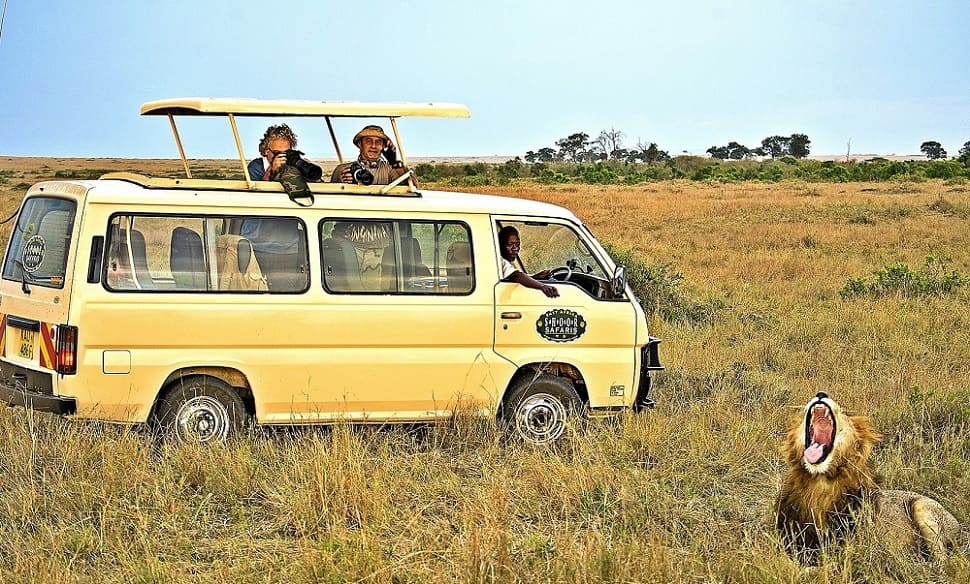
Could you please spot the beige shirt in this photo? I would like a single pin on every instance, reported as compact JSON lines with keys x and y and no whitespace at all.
{"x":383,"y":172}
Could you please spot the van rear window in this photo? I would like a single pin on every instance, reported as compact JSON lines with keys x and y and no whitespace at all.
{"x":40,"y":242}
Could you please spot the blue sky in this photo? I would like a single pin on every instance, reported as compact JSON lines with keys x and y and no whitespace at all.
{"x":885,"y":74}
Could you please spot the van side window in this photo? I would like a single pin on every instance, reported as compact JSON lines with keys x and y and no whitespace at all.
{"x":396,"y":257}
{"x":202,"y":254}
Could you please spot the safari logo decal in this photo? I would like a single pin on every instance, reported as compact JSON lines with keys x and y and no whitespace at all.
{"x":561,"y":325}
{"x":33,"y":254}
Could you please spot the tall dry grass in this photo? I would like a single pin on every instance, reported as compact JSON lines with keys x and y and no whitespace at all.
{"x":679,"y":494}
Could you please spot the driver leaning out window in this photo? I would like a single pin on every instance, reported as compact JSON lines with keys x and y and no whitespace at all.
{"x":508,"y":238}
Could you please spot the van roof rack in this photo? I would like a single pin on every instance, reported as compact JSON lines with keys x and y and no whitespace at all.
{"x":233,"y":107}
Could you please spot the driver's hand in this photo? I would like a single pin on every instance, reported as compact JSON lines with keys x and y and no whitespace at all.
{"x":543,"y":275}
{"x":550,"y":291}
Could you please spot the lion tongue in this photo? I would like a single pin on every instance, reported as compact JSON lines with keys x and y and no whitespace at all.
{"x":814,"y":453}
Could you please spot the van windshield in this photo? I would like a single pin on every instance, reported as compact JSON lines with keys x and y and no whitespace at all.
{"x":40,"y":243}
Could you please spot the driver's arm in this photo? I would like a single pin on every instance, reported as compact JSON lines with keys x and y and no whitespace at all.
{"x":530,"y":282}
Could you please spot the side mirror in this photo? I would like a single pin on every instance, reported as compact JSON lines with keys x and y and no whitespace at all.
{"x":618,"y":283}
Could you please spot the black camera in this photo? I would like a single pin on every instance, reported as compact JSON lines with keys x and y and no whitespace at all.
{"x":310,"y":171}
{"x":361,"y":175}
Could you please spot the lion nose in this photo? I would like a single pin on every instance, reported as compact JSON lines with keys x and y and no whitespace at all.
{"x":821,"y":395}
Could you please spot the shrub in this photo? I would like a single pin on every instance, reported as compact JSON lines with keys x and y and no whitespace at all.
{"x":549,"y":176}
{"x":426,"y":172}
{"x":943,"y":169}
{"x":658,"y":289}
{"x":901,"y":280}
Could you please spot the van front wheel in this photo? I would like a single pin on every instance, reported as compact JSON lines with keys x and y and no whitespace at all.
{"x":201,"y":410}
{"x":538,"y":408}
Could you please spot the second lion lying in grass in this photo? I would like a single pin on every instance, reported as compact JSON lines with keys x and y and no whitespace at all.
{"x":830,"y":485}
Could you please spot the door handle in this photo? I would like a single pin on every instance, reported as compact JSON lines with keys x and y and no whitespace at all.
{"x":511,"y":315}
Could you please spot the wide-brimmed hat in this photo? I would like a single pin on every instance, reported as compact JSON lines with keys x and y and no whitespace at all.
{"x":373,"y":131}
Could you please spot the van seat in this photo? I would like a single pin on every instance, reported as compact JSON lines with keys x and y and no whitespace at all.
{"x":341,"y":271}
{"x":458,"y":264}
{"x":412,"y":263}
{"x":187,"y":259}
{"x":237,"y":266}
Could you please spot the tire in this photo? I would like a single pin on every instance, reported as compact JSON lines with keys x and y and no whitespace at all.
{"x":201,"y":410}
{"x":538,"y":408}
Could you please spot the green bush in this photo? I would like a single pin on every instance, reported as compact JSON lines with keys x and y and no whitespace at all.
{"x":943,"y":169}
{"x":659,"y":290}
{"x":899,"y":279}
{"x":598,"y":173}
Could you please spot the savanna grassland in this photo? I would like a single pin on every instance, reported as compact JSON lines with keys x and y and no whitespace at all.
{"x":681,"y":493}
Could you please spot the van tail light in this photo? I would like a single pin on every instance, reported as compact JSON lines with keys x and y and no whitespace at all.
{"x":66,"y":353}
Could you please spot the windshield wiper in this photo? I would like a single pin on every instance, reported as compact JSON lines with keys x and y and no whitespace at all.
{"x":24,"y":276}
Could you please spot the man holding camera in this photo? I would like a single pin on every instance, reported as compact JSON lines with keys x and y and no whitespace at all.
{"x":377,"y":163}
{"x":275,"y":143}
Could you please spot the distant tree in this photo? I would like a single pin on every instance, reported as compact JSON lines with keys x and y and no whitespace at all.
{"x":546,"y":154}
{"x":571,"y":147}
{"x":933,"y":150}
{"x":738,"y":151}
{"x":651,"y":153}
{"x":733,"y":150}
{"x":610,"y":142}
{"x":719,"y":152}
{"x":798,"y":145}
{"x":531,"y":156}
{"x":776,"y":146}
{"x":963,"y":155}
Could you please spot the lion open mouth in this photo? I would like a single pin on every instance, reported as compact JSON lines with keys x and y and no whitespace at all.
{"x":819,"y":433}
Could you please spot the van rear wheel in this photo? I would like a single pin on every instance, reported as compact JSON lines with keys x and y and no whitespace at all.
{"x":538,"y":409}
{"x":201,"y":410}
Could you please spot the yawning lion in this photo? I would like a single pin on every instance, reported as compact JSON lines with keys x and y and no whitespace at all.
{"x":830,"y":482}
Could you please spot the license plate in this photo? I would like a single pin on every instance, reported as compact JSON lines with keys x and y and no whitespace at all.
{"x":26,"y":344}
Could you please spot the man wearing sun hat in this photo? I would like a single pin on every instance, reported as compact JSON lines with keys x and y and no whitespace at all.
{"x":378,"y":156}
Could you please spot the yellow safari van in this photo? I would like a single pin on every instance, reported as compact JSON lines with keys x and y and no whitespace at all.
{"x":202,"y":306}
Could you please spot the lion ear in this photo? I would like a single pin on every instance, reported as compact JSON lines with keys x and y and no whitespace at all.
{"x":864,"y":427}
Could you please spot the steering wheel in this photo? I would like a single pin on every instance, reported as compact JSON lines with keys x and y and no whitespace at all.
{"x":566,"y":271}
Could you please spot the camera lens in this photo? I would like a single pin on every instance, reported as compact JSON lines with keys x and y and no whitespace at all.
{"x":311,"y":171}
{"x":361,"y":175}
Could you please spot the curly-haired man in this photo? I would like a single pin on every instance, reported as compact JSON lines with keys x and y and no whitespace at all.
{"x":276,"y":141}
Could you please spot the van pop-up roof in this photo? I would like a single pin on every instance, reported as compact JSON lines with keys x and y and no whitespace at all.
{"x":268,"y":108}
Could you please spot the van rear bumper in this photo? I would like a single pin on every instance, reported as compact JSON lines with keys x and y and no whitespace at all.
{"x":41,"y":402}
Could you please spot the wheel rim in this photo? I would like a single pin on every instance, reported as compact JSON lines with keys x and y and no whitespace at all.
{"x":202,"y":419}
{"x":540,"y":418}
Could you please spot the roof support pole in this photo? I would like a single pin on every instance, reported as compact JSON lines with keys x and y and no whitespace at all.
{"x":239,"y":148}
{"x":333,"y":136}
{"x":178,"y":142}
{"x":400,"y":154}
{"x":397,"y":142}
